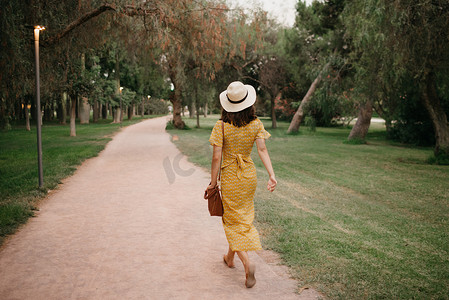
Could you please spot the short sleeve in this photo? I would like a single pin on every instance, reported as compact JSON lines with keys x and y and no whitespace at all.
{"x":262,"y":133}
{"x":216,"y":137}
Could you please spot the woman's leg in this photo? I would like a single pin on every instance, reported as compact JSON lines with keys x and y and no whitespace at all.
{"x":243,"y":255}
{"x":249,"y":269}
{"x":229,"y":258}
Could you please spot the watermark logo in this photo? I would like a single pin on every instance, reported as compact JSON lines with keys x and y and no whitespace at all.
{"x":171,"y":170}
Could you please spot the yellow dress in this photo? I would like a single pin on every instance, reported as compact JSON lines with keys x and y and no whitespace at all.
{"x":238,"y":182}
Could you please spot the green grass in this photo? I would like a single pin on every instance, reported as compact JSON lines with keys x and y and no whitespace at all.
{"x":19,"y":191}
{"x":363,"y":221}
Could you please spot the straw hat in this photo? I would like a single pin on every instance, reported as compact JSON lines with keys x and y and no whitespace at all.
{"x":237,"y":97}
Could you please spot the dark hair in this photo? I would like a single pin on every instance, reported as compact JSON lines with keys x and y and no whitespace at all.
{"x":240,"y":118}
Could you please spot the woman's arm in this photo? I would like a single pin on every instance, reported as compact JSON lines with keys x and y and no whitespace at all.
{"x":215,"y":166}
{"x":265,"y":157}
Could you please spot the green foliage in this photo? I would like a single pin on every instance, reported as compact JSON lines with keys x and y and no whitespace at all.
{"x":310,"y":122}
{"x":317,"y":45}
{"x":441,"y":158}
{"x":171,"y":126}
{"x":11,"y":216}
{"x":369,"y":47}
{"x":285,"y":108}
{"x":412,"y":124}
{"x":156,"y":106}
{"x":399,"y":51}
{"x":327,"y":106}
{"x":354,"y":141}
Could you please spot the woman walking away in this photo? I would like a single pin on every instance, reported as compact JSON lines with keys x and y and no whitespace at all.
{"x":238,"y":174}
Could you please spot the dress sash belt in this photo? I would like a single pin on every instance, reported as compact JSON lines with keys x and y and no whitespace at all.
{"x":242,"y":162}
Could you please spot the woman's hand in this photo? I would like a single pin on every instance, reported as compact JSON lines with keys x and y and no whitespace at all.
{"x":211,"y":186}
{"x":272,"y":182}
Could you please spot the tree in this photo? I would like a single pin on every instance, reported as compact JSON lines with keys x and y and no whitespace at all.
{"x":299,"y":115}
{"x":194,"y":37}
{"x":254,"y":57}
{"x":317,"y":48}
{"x":412,"y":37}
{"x":273,"y":79}
{"x":16,"y":39}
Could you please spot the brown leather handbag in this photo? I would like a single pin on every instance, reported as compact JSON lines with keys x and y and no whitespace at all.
{"x":213,"y":195}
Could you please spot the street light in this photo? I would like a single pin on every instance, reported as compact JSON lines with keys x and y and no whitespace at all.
{"x":37,"y":29}
{"x":121,"y":109}
{"x":149,"y":108}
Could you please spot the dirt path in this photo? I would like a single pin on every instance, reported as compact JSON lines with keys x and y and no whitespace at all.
{"x":118,"y":229}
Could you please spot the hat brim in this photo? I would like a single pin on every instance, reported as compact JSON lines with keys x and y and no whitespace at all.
{"x":231,"y":107}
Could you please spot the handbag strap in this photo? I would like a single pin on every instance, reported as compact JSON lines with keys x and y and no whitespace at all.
{"x":221,"y":159}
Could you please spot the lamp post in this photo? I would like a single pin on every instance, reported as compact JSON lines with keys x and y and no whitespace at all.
{"x":38,"y":105}
{"x":121,"y":108}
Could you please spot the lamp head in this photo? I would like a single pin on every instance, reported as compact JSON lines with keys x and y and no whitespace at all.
{"x":37,"y":28}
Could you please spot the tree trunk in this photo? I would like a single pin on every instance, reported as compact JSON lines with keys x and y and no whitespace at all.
{"x":117,"y":115}
{"x":437,"y":115}
{"x":84,"y":106}
{"x":176,"y":95}
{"x":104,"y":111}
{"x":27,"y":116}
{"x":33,"y":110}
{"x":73,"y":116}
{"x":77,"y":106}
{"x":176,"y":101}
{"x":68,"y":106}
{"x":274,"y":124}
{"x":205,"y":110}
{"x":130,"y":111}
{"x":96,"y":113}
{"x":299,"y":115}
{"x":4,"y":116}
{"x":18,"y":110}
{"x":197,"y":115}
{"x":192,"y":108}
{"x":53,"y":109}
{"x":84,"y":114}
{"x":62,"y":109}
{"x":47,"y":112}
{"x":388,"y":125}
{"x":118,"y":111}
{"x":142,"y":113}
{"x":177,"y":120}
{"x":361,"y":127}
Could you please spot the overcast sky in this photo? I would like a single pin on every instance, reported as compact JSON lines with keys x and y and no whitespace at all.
{"x":282,"y":10}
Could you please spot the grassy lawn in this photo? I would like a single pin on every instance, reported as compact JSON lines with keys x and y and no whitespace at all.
{"x":19,"y":192}
{"x":354,"y":221}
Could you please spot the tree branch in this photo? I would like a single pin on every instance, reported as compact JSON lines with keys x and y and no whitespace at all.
{"x":86,"y":17}
{"x":131,"y":10}
{"x":256,"y":80}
